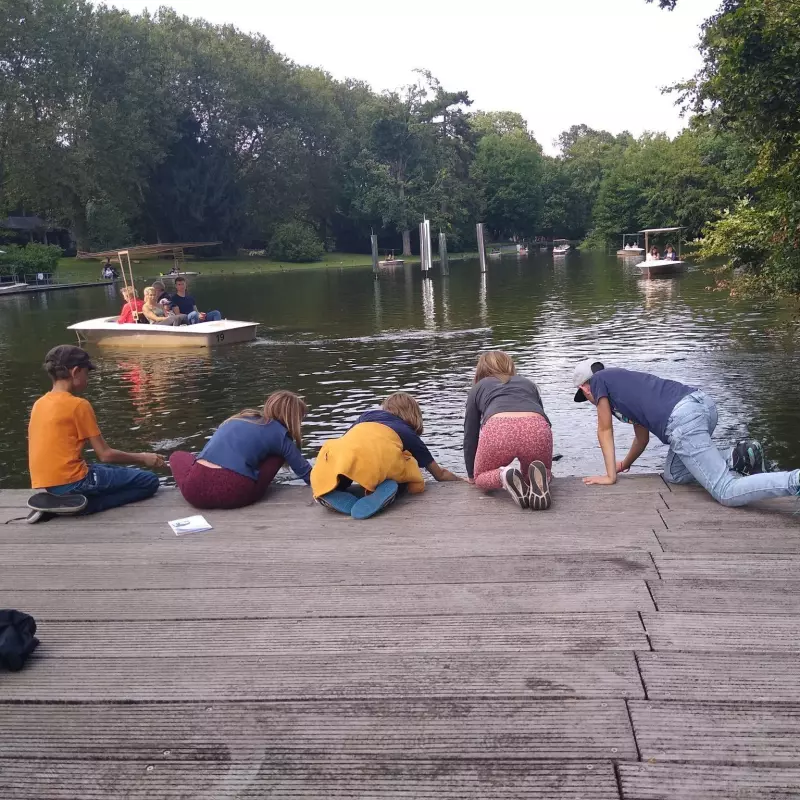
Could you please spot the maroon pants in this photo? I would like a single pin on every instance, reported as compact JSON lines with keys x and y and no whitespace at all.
{"x":205,"y":487}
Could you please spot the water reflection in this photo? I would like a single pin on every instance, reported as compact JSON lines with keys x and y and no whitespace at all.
{"x":483,"y":298}
{"x":344,"y":339}
{"x":428,"y":303}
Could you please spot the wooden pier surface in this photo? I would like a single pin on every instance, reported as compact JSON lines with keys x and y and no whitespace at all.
{"x":636,"y":641}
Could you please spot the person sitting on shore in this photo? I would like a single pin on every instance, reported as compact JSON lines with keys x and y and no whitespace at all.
{"x":382,"y":451}
{"x":183,"y":303}
{"x":61,"y":424}
{"x":684,"y":418}
{"x":109,"y":272}
{"x":670,"y":254}
{"x":653,"y":255}
{"x":132,"y":308}
{"x":243,"y":456}
{"x":504,"y":421}
{"x":158,"y":314}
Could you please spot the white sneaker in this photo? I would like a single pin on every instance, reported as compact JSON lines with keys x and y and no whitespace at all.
{"x":511,"y":479}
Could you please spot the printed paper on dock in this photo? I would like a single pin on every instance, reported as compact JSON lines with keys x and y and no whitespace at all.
{"x":195,"y":524}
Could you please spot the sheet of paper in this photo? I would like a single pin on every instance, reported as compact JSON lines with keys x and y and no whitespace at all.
{"x":195,"y":524}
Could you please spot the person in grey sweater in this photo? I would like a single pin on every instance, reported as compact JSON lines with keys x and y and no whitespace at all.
{"x":504,"y":421}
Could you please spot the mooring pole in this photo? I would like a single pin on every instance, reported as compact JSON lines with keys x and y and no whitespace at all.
{"x":374,"y":242}
{"x":443,"y":253}
{"x":425,"y":246}
{"x":481,"y":246}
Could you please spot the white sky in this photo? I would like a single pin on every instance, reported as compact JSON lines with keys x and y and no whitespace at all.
{"x":557,"y":62}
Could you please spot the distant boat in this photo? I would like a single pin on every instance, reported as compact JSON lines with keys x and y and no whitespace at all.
{"x":630,"y":249}
{"x":11,"y":288}
{"x":661,"y":266}
{"x":561,"y":247}
{"x":522,"y":250}
{"x":495,"y":254}
{"x":391,"y":262}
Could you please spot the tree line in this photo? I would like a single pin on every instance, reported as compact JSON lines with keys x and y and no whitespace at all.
{"x":144,"y":128}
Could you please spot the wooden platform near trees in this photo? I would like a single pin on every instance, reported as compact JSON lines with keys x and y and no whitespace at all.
{"x":635,"y":642}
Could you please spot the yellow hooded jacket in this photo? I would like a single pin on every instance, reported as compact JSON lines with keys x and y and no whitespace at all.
{"x":369,"y":453}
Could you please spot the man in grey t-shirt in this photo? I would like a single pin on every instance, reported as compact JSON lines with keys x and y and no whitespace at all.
{"x":684,"y":418}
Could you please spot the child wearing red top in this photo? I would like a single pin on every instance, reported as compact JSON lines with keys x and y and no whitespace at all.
{"x":131,"y":304}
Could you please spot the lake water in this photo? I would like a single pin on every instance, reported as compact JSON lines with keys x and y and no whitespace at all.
{"x":344,"y":340}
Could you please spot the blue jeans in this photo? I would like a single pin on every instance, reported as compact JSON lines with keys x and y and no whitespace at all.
{"x":106,"y":486}
{"x":693,"y":457}
{"x":211,"y":316}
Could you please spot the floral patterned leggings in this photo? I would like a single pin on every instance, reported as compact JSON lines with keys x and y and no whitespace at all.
{"x":503,"y":439}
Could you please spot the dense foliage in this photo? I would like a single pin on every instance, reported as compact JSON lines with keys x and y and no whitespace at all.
{"x":29,"y":260}
{"x":296,"y":242}
{"x":143,"y":128}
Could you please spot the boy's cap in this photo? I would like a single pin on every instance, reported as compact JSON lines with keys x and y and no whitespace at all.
{"x":68,"y":356}
{"x":164,"y":301}
{"x":583,"y":373}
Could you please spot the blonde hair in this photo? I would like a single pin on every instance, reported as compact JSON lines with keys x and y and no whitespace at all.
{"x":282,"y":406}
{"x":495,"y":364}
{"x":149,"y":295}
{"x":403,"y":405}
{"x":129,"y":293}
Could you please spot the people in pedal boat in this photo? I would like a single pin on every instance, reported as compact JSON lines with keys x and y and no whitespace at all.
{"x":158,"y":313}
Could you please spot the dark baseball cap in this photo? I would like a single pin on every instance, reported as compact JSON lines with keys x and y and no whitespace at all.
{"x":67,"y":356}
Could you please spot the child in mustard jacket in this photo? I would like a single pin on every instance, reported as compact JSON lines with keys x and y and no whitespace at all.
{"x":380,"y":452}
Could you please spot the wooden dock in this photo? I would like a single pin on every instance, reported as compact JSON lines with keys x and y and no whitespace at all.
{"x":637,"y":642}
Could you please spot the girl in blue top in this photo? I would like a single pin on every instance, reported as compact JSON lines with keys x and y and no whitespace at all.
{"x":243,"y":456}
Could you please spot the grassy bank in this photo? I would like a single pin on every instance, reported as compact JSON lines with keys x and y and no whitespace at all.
{"x":80,"y":269}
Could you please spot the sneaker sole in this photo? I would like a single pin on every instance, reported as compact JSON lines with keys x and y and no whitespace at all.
{"x":47,"y":503}
{"x":384,"y":495}
{"x":515,"y":486}
{"x":539,"y":498}
{"x":337,"y":500}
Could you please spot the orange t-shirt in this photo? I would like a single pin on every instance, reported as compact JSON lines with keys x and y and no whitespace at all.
{"x":59,"y":426}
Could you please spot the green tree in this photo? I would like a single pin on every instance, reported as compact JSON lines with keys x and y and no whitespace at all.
{"x":509,"y":170}
{"x":748,"y":86}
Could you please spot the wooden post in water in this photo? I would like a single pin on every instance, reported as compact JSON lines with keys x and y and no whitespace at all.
{"x":374,"y":242}
{"x":481,"y":246}
{"x":425,"y":246}
{"x":443,"y":253}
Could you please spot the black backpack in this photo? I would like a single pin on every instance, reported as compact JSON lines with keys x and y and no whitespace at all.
{"x":17,"y":640}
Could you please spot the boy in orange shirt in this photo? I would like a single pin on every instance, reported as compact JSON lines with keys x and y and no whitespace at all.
{"x":61,"y":424}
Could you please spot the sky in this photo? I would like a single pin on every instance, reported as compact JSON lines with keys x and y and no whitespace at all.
{"x":556,"y":62}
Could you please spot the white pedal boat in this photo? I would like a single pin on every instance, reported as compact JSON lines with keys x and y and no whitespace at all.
{"x":108,"y":332}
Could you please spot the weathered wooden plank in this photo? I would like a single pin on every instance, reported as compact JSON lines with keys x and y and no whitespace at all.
{"x":296,"y":504}
{"x":484,"y":569}
{"x":718,"y":676}
{"x":754,"y":633}
{"x":694,"y":498}
{"x":707,"y":782}
{"x":333,"y":601}
{"x":720,"y":595}
{"x":516,"y":633}
{"x":309,"y":777}
{"x":724,"y":732}
{"x":337,"y":527}
{"x":731,"y":566}
{"x":329,"y":676}
{"x":468,"y":729}
{"x":735,"y":539}
{"x":227,"y":546}
{"x":721,"y":519}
